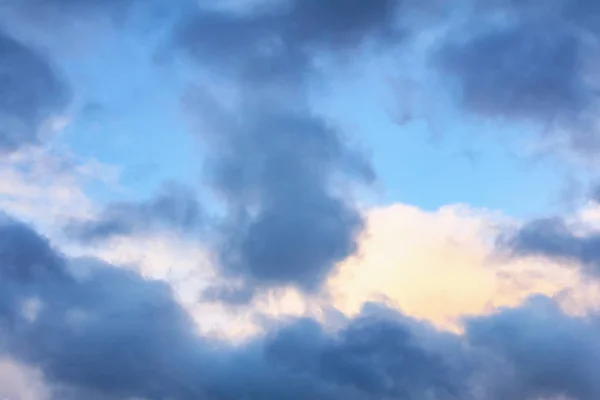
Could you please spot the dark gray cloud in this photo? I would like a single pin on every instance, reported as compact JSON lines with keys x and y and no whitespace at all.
{"x":275,"y":161}
{"x":531,"y":65}
{"x":174,"y":207}
{"x":548,"y":354}
{"x":525,"y":71}
{"x":552,"y":238}
{"x":286,"y":223}
{"x":110,"y":332}
{"x":101,"y":328}
{"x":31,"y":92}
{"x":106,"y":332}
{"x":280,"y":42}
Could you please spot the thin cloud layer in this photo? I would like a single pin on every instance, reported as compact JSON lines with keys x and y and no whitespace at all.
{"x":175,"y":207}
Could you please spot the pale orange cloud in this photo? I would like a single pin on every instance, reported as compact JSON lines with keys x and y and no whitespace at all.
{"x":440,"y":266}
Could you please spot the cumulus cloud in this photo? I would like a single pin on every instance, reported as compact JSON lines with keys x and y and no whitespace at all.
{"x":272,"y":158}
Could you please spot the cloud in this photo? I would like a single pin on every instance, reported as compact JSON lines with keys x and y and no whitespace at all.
{"x":280,"y":42}
{"x":47,"y":187}
{"x":550,"y":354}
{"x":441,"y":265}
{"x":110,"y":333}
{"x":275,"y":169}
{"x":272,"y":158}
{"x":21,"y":383}
{"x":31,"y":93}
{"x":529,"y":62}
{"x":175,"y":207}
{"x":553,"y":238}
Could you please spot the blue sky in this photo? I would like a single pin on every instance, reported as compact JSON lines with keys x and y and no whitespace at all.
{"x":299,"y":199}
{"x":128,"y":114}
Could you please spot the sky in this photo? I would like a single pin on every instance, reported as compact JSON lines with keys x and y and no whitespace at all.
{"x":299,"y":199}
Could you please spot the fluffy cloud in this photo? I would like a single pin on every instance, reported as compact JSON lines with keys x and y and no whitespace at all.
{"x":441,"y":266}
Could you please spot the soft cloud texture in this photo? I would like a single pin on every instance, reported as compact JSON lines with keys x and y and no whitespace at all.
{"x":286,"y":224}
{"x":175,"y":207}
{"x":281,"y":42}
{"x":440,"y":266}
{"x":273,"y":159}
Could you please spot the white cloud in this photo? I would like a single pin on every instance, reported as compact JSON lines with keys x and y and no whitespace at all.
{"x":46,"y":187}
{"x":440,"y":266}
{"x":18,"y":382}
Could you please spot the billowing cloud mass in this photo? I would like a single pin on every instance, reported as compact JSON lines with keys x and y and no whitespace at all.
{"x":281,"y":41}
{"x":31,"y":93}
{"x":94,"y":328}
